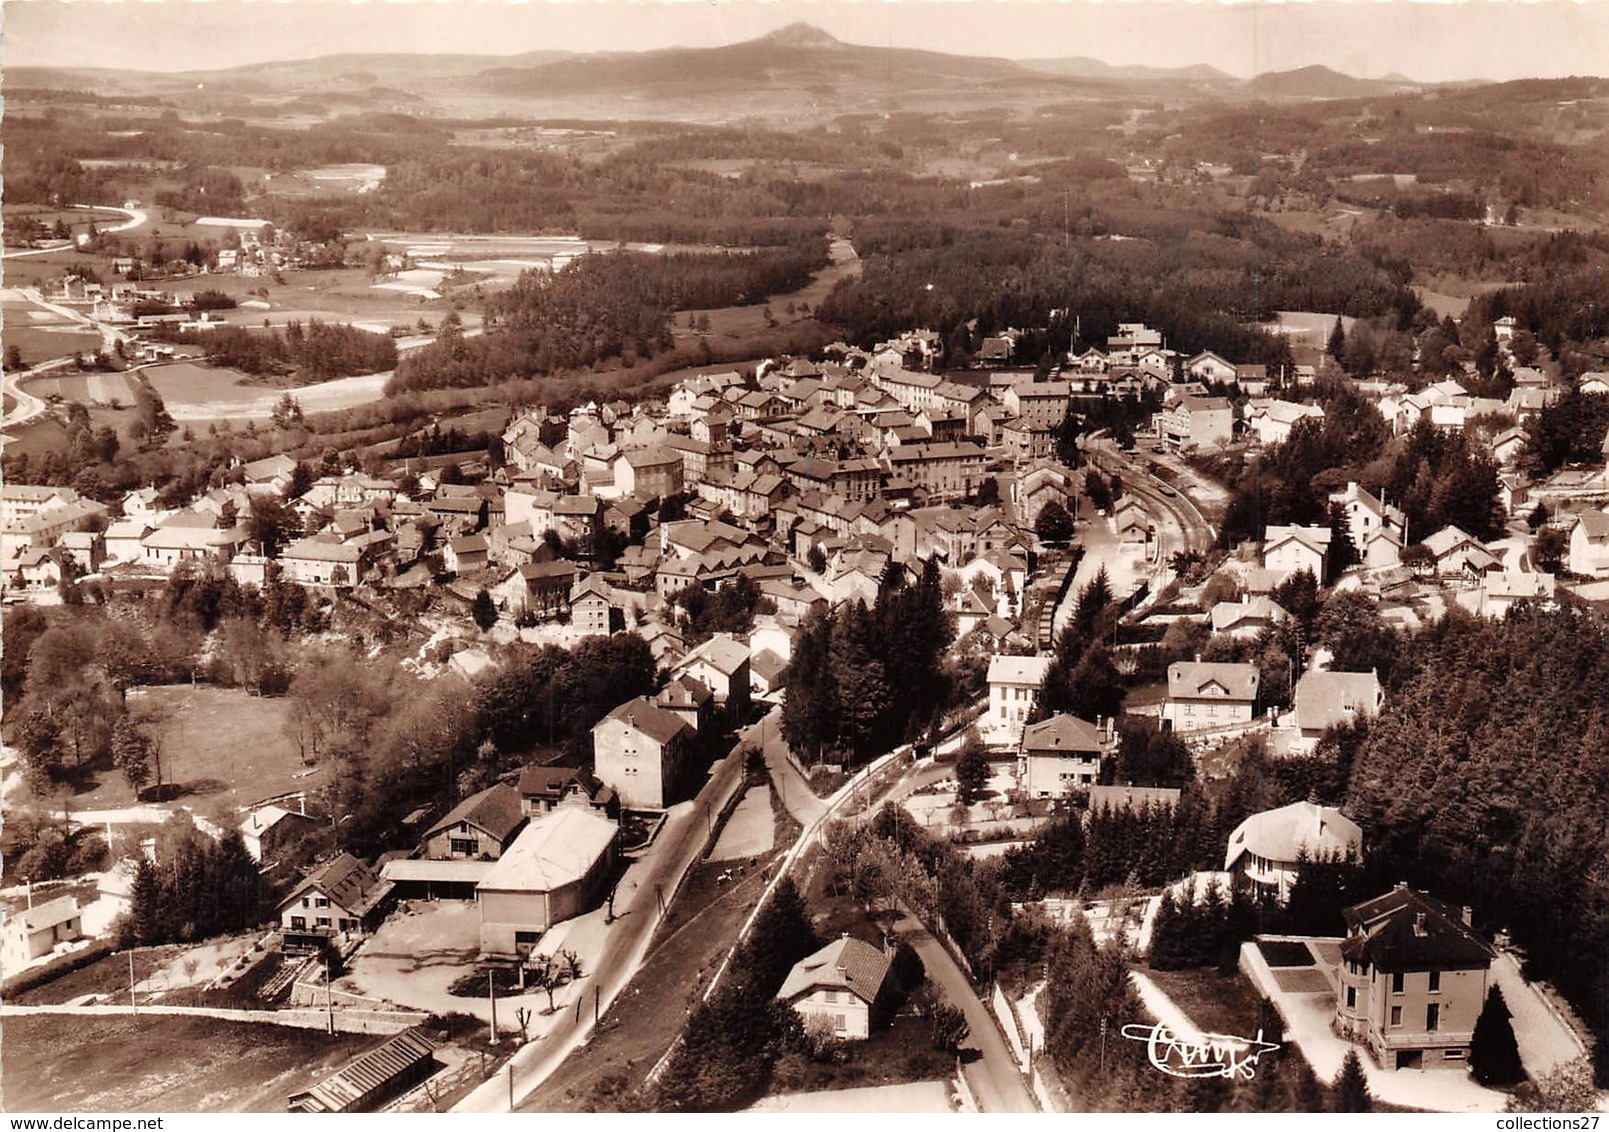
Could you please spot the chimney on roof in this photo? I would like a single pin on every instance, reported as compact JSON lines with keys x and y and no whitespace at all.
{"x":1400,"y":886}
{"x":1419,"y":924}
{"x":1468,"y":915}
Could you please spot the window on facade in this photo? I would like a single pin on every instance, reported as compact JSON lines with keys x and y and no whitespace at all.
{"x":322,"y":921}
{"x":521,"y":938}
{"x":298,"y":923}
{"x":839,"y":1023}
{"x":466,"y":845}
{"x":1435,"y":981}
{"x":1453,"y":1055}
{"x":321,"y":902}
{"x":1351,"y":997}
{"x":1433,"y":1017}
{"x":1396,"y":1015}
{"x":1396,"y":982}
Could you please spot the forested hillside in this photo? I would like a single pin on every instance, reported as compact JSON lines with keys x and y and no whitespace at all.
{"x":1486,"y":781}
{"x":617,"y":305}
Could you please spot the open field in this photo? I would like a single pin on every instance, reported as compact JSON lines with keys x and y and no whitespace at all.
{"x":182,"y":383}
{"x":325,"y":179}
{"x":42,"y":343}
{"x":41,"y":435}
{"x":340,"y":295}
{"x":739,"y":322}
{"x":87,"y":387}
{"x":173,"y":1064}
{"x":221,"y":744}
{"x":257,"y":403}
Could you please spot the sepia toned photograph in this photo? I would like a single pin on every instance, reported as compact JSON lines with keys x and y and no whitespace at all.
{"x":804,"y":556}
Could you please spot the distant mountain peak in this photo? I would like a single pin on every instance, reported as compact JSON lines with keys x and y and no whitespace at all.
{"x":802,"y":34}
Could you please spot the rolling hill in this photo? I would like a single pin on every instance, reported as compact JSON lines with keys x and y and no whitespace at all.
{"x":1082,"y":67}
{"x":796,"y":57}
{"x":1321,"y":82}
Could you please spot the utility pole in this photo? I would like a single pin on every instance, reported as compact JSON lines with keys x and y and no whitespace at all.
{"x":329,"y":994}
{"x":491,"y":987}
{"x":134,"y":1007}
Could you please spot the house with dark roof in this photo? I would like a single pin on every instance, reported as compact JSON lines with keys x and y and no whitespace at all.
{"x":765,"y":672}
{"x":1203,"y":694}
{"x":465,"y":554}
{"x":480,"y":827}
{"x":1060,"y":755}
{"x":649,"y":473}
{"x":340,"y":899}
{"x":843,"y":984}
{"x":722,"y":665}
{"x":543,"y":789}
{"x":270,"y":831}
{"x":540,"y":588}
{"x":1411,"y":980}
{"x":643,"y":752}
{"x":690,"y":698}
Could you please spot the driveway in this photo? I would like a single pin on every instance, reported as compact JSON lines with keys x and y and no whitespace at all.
{"x":994,"y":1078}
{"x":1545,"y":1041}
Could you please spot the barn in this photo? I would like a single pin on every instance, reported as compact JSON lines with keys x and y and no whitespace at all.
{"x":364,"y":1084}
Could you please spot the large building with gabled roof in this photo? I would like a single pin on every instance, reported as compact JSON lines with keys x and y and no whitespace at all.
{"x":643,"y":752}
{"x":1205,"y":694}
{"x":1060,"y":755}
{"x":1412,"y":980}
{"x":554,"y":871}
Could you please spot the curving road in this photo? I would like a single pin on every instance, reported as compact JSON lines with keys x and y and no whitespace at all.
{"x":136,"y":218}
{"x":25,"y":405}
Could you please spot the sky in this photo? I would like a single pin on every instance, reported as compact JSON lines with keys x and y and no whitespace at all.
{"x":1427,"y":40}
